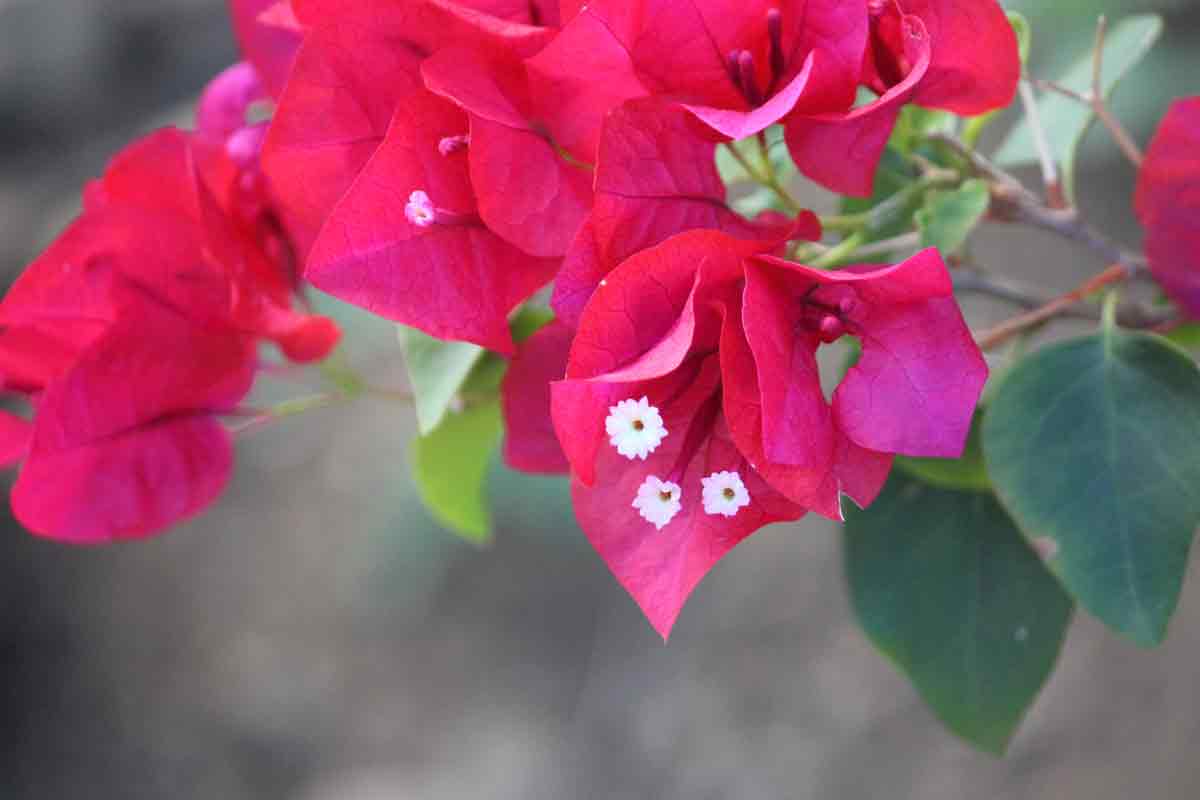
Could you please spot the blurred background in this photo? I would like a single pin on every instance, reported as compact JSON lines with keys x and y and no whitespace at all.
{"x":317,"y":637}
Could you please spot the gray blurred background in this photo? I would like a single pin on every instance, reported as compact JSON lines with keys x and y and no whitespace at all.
{"x":316,"y":637}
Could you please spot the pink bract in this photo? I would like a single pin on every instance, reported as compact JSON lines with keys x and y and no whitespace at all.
{"x":1168,"y":204}
{"x":722,"y":338}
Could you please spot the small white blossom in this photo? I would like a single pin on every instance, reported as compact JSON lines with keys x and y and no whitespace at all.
{"x":658,"y":501}
{"x":635,"y":428}
{"x":724,"y":494}
{"x":420,"y":210}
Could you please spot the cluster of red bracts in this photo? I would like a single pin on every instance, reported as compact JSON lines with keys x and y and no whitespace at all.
{"x":138,"y":329}
{"x":440,"y":162}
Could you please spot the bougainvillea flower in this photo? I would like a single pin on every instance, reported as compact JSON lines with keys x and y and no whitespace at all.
{"x":358,"y":59}
{"x":656,"y":176}
{"x":126,"y":442}
{"x":721,"y":341}
{"x":1168,"y":204}
{"x":975,"y":62}
{"x":129,"y":335}
{"x":739,"y":66}
{"x":949,"y":54}
{"x":529,"y":191}
{"x":407,"y":241}
{"x":164,"y":228}
{"x":268,"y":36}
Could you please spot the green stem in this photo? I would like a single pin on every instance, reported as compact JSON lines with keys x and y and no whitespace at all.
{"x":845,"y":223}
{"x":840,"y":251}
{"x":1108,"y":312}
{"x":766,"y":176}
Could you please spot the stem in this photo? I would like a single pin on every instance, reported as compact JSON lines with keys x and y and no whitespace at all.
{"x":845,"y":223}
{"x":772,"y":180}
{"x":1068,"y":224}
{"x":767,"y":177}
{"x":1007,"y":330}
{"x":1119,"y":134}
{"x":1015,"y":203}
{"x":905,"y":241}
{"x":1095,"y":99}
{"x":978,"y":283}
{"x":1050,"y":179}
{"x":840,"y":251}
{"x":1108,"y":314}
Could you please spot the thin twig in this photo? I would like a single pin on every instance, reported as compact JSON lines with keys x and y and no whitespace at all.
{"x":1054,"y":193}
{"x":1015,"y":203}
{"x":1122,"y":137}
{"x":1068,"y":224}
{"x":973,"y":282}
{"x":1008,"y":329}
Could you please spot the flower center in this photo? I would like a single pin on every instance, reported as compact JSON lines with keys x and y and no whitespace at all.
{"x":741,"y":66}
{"x":828,"y":312}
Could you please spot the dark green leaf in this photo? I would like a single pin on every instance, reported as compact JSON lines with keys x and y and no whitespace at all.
{"x":968,"y":473}
{"x":450,"y":469}
{"x":1066,"y":120}
{"x":436,"y":371}
{"x":1094,"y":447}
{"x":944,"y":585}
{"x":948,"y":218}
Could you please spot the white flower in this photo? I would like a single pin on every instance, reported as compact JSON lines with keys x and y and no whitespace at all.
{"x":635,"y":428}
{"x":724,"y":494}
{"x":658,"y":501}
{"x":420,"y":210}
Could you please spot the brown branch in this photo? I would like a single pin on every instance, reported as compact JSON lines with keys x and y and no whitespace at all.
{"x":1006,"y":330}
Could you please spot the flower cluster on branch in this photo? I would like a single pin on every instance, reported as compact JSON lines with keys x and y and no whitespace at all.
{"x":459,"y":167}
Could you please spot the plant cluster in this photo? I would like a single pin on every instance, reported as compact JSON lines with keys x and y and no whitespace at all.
{"x":582,"y":217}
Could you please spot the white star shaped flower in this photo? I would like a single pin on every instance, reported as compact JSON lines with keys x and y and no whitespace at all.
{"x":658,"y":501}
{"x":635,"y":428}
{"x":724,"y":494}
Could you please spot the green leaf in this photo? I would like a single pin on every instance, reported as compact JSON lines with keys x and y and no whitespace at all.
{"x":945,"y":587}
{"x":1065,"y":120}
{"x":450,"y":469}
{"x":1094,"y":447}
{"x":436,"y":370}
{"x":948,"y":218}
{"x":967,"y":473}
